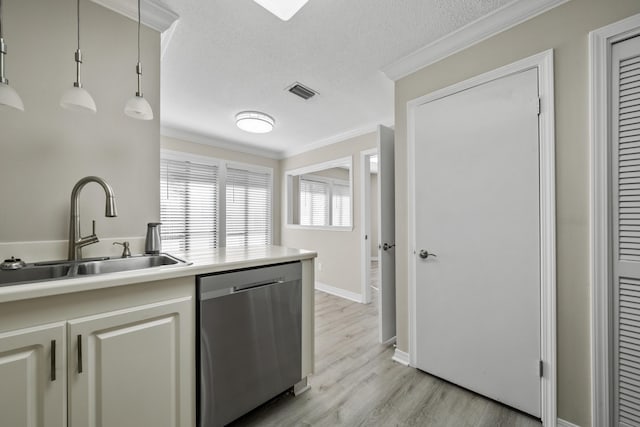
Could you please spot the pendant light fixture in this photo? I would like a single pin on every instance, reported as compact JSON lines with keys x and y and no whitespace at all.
{"x":77,"y":98}
{"x":8,"y":96}
{"x":138,"y":107}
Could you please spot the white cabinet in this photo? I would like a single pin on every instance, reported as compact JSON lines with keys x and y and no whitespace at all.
{"x":32,"y":377}
{"x":125,"y":367}
{"x":119,"y":361}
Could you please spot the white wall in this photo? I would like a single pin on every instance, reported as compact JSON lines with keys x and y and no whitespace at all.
{"x":338,"y":251}
{"x":47,"y":149}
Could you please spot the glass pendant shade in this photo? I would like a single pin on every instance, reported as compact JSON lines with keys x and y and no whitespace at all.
{"x":78,"y":99}
{"x":10,"y":98}
{"x":138,"y":108}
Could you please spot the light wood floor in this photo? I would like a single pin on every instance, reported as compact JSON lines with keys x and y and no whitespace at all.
{"x":357,"y":384}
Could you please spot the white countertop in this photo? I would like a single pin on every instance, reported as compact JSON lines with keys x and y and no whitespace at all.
{"x":221,"y":259}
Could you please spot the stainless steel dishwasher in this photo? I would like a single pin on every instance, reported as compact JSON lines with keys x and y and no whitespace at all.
{"x":250,"y":335}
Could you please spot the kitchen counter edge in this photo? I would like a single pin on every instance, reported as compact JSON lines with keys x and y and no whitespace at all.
{"x":218,"y":260}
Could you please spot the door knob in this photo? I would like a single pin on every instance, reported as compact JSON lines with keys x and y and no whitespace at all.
{"x":424,"y":254}
{"x":386,"y":246}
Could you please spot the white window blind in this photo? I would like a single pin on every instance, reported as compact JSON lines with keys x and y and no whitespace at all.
{"x":340,"y":205}
{"x":314,"y":202}
{"x":248,"y":212}
{"x":188,"y":208}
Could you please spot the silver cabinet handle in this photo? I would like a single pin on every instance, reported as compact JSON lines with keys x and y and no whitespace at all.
{"x":79,"y":354}
{"x":424,"y":254}
{"x":53,"y":360}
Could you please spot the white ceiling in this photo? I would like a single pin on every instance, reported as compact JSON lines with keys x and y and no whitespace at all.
{"x":226,"y":56}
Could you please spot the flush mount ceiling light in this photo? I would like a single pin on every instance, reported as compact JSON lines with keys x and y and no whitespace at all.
{"x":283,"y":9}
{"x":8,"y":96}
{"x":77,"y":98}
{"x":138,"y":107}
{"x":255,"y":122}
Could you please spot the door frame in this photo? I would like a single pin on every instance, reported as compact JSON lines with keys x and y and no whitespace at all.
{"x":365,"y":220}
{"x":543,"y":62}
{"x":600,"y":45}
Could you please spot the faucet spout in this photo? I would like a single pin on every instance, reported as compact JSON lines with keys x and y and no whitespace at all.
{"x":110,"y":210}
{"x":76,"y":241}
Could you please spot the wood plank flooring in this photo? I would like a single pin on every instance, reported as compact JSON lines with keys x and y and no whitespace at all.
{"x":357,"y":384}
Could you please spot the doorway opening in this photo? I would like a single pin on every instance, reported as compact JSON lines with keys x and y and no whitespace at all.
{"x":370,"y":213}
{"x":377,"y":234}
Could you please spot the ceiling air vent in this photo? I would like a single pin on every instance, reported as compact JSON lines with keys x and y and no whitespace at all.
{"x":302,"y":91}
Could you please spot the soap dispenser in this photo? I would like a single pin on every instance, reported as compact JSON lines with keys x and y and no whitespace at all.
{"x":152,"y":244}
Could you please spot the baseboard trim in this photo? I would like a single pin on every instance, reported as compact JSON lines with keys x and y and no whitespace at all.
{"x":390,"y":341}
{"x":374,"y":258}
{"x":401,"y":357}
{"x":563,"y":423}
{"x":339,"y":292}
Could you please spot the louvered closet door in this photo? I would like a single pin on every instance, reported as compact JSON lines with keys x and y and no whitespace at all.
{"x":626,"y":214}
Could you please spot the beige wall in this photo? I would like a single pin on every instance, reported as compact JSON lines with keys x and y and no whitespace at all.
{"x":175,"y":144}
{"x":47,"y":149}
{"x":564,"y":29}
{"x":338,"y":251}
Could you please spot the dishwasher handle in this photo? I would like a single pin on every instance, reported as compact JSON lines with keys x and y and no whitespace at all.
{"x":244,"y":288}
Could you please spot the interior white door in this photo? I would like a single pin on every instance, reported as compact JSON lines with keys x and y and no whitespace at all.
{"x":387,"y":234}
{"x":478,"y":240}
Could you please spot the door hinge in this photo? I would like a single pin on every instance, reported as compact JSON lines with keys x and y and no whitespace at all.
{"x":539,"y":105}
{"x":541,"y":368}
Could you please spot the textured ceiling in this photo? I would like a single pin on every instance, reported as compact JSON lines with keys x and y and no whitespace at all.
{"x":226,"y":56}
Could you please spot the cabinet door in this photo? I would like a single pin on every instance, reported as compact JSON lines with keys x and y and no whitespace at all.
{"x":33,"y":377}
{"x":133,"y":367}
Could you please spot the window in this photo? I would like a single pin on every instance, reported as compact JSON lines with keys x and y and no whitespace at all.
{"x":189,"y":201}
{"x":324,"y":201}
{"x":248,"y":207}
{"x":314,"y":202}
{"x":341,"y":205}
{"x":192,"y":190}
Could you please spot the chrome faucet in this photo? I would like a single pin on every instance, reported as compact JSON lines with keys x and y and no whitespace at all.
{"x":76,"y":241}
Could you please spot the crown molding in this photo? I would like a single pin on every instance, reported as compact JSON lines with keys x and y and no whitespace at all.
{"x":500,"y":20}
{"x":154,"y":14}
{"x":371,"y":128}
{"x":185,"y":135}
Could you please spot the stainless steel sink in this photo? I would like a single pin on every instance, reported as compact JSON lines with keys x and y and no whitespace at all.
{"x":33,"y":273}
{"x":53,"y":270}
{"x":125,"y":264}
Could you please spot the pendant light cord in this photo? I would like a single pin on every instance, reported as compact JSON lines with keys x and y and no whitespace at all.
{"x":139,"y":18}
{"x":0,"y":19}
{"x":78,"y":22}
